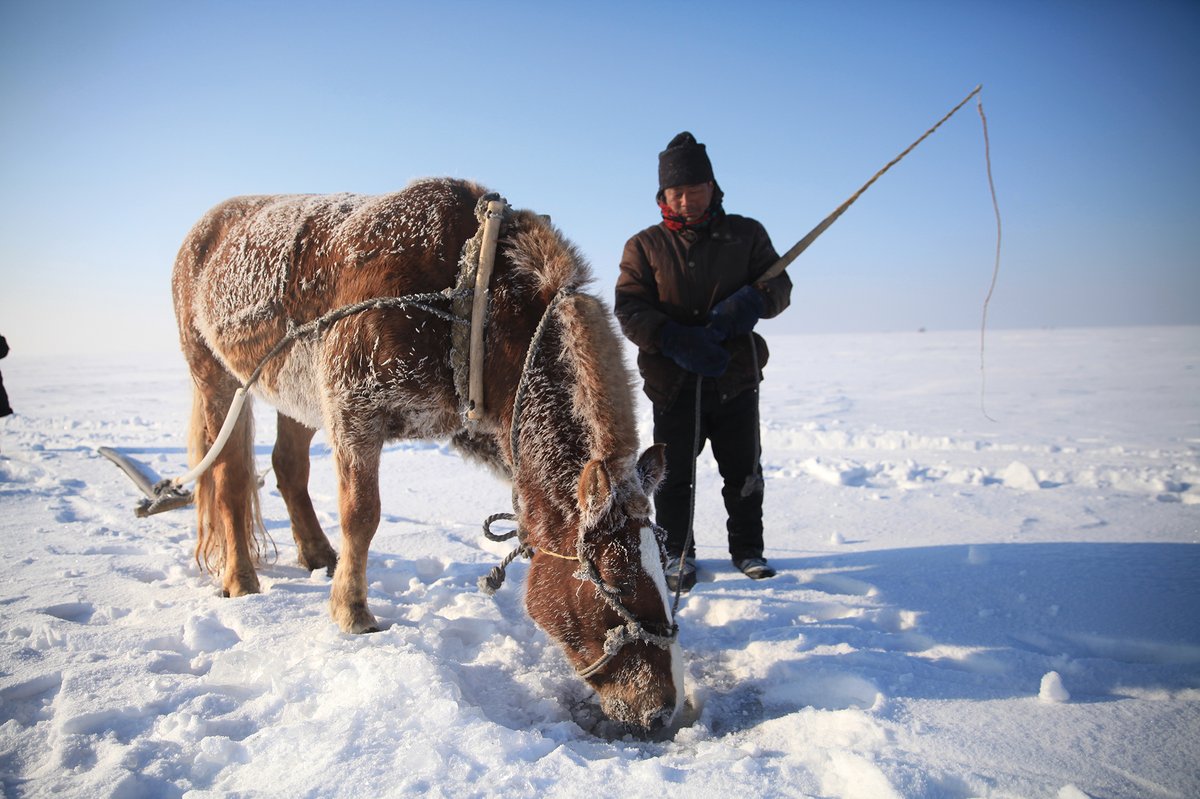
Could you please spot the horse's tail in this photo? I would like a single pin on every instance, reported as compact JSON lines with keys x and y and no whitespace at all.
{"x":244,"y":511}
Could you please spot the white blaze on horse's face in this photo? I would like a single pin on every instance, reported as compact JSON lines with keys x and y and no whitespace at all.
{"x":643,"y":684}
{"x":615,"y":624}
{"x":652,"y":564}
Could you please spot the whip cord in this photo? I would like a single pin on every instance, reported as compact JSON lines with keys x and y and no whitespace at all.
{"x":804,"y":243}
{"x":987,"y":154}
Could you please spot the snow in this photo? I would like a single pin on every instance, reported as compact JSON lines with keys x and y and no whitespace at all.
{"x":1052,"y":689}
{"x":965,"y":608}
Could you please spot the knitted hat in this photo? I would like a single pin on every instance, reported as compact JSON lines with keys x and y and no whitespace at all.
{"x":684,"y":163}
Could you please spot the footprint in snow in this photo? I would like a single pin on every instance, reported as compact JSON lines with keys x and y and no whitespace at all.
{"x":31,"y":700}
{"x":76,"y":612}
{"x":798,"y":685}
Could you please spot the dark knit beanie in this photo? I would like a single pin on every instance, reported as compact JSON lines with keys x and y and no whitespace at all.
{"x":684,"y":163}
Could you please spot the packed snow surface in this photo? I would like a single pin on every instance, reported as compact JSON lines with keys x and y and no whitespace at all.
{"x":966,"y":606}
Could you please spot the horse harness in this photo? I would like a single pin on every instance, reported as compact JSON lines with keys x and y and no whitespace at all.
{"x":478,"y":256}
{"x":633,"y":629}
{"x":475,"y":268}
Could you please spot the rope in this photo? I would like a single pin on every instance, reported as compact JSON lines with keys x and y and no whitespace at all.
{"x":987,"y":154}
{"x":491,"y":582}
{"x":629,"y":632}
{"x":617,"y":637}
{"x":494,"y":579}
{"x":531,"y":354}
{"x":754,"y":480}
{"x":687,"y":542}
{"x":318,"y":325}
{"x":169,"y":487}
{"x":487,"y":527}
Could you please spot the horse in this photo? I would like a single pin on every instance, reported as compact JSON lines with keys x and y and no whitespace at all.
{"x":558,"y":421}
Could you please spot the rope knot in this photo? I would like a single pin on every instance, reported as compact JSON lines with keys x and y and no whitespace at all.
{"x":495,"y":517}
{"x":491,"y":582}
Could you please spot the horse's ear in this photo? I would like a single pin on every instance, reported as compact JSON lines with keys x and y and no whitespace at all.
{"x":652,"y":467}
{"x":595,"y":491}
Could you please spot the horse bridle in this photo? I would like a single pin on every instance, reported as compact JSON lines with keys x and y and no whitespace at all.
{"x":633,"y":629}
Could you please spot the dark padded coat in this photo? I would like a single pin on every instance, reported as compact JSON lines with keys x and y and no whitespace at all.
{"x":681,"y":276}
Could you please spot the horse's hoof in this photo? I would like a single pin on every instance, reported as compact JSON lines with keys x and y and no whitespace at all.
{"x":242,"y":587}
{"x":326,"y":561}
{"x":357,"y":621}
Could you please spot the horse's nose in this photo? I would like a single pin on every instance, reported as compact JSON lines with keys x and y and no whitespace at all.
{"x":641,"y":714}
{"x":658,"y":719}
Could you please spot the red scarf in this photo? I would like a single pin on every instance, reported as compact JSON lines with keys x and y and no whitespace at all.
{"x":677,"y":223}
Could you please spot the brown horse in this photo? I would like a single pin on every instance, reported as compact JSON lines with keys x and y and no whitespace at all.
{"x":256,"y":267}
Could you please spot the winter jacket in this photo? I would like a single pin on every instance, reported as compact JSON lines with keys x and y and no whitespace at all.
{"x":681,"y":276}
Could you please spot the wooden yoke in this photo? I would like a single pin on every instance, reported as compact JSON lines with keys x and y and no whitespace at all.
{"x":483,"y":278}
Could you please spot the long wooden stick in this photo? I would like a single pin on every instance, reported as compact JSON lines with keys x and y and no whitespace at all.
{"x":483,"y":278}
{"x":804,"y":243}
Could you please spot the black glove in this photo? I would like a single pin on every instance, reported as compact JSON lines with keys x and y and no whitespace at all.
{"x":696,"y":349}
{"x":737,"y":314}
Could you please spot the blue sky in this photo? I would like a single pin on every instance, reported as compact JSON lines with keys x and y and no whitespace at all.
{"x":124,"y":121}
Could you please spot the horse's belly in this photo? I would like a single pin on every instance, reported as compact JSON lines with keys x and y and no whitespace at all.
{"x":406,"y":401}
{"x":296,"y":389}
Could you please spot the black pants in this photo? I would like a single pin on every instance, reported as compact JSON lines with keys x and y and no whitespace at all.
{"x":731,"y":427}
{"x":5,"y":408}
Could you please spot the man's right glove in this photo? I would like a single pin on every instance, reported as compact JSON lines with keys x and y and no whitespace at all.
{"x":696,"y":349}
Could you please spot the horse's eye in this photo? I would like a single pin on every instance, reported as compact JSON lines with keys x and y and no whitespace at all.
{"x":621,"y":588}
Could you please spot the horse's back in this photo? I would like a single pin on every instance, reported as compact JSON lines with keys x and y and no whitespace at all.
{"x":255,"y":265}
{"x":251,"y":260}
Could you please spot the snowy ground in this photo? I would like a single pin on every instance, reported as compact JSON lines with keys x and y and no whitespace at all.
{"x":965,"y":607}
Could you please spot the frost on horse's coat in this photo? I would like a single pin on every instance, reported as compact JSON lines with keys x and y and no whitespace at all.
{"x":255,"y":267}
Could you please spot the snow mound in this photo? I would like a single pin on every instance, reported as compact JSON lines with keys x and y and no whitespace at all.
{"x":1052,"y":689}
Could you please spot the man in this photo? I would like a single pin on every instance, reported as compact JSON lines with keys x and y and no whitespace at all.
{"x":5,"y":408}
{"x":688,"y":297}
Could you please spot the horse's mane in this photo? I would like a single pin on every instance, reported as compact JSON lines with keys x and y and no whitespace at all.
{"x":602,"y":395}
{"x":539,"y":251}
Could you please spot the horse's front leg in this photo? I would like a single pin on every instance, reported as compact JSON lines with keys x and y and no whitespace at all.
{"x":358,"y":489}
{"x":290,"y":459}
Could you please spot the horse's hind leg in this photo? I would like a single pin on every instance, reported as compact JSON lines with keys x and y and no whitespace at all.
{"x":227,"y":494}
{"x":291,"y":461}
{"x":358,"y":501}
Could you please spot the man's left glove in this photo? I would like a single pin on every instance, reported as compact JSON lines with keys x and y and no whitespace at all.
{"x":695,"y":349}
{"x":737,"y":314}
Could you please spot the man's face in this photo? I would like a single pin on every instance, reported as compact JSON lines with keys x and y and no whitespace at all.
{"x":690,"y":201}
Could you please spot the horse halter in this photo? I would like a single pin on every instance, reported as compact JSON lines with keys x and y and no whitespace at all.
{"x":633,"y":629}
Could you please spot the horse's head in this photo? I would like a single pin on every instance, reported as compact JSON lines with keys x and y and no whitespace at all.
{"x":597,"y":587}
